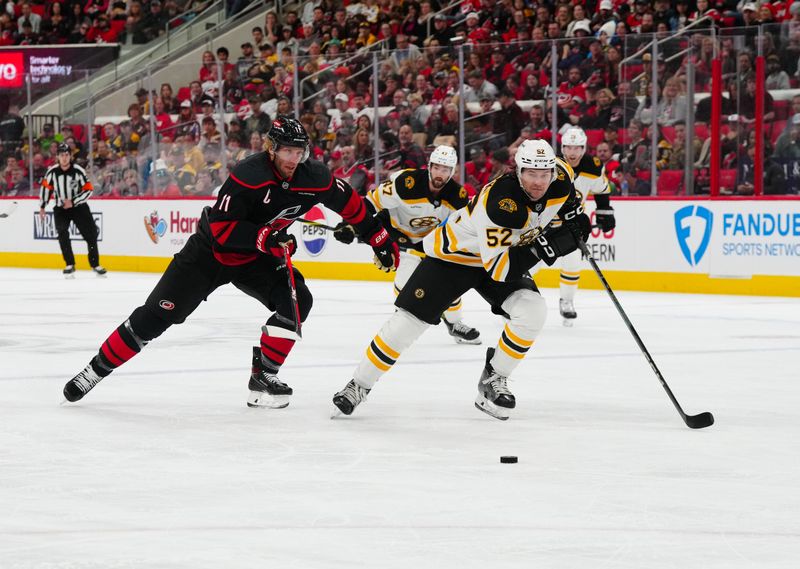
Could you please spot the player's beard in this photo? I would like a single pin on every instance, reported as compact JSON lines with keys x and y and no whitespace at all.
{"x":437,"y":183}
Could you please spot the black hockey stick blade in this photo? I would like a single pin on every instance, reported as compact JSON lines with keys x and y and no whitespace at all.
{"x":700,"y":421}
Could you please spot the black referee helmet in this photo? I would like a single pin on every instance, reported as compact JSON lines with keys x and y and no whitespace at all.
{"x":62,"y":148}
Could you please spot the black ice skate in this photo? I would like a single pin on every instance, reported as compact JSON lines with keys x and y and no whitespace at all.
{"x":81,"y":384}
{"x":99,"y":270}
{"x":567,"y":309}
{"x":349,"y":398}
{"x":69,"y":272}
{"x":266,"y":390}
{"x":494,"y":397}
{"x":463,"y":333}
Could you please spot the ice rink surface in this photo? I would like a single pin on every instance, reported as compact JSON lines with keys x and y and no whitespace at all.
{"x":163,"y":466}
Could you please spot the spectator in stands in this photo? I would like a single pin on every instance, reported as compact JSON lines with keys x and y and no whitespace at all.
{"x":27,"y":36}
{"x":478,"y":87}
{"x":246,"y":60}
{"x":747,"y":102}
{"x":509,"y":118}
{"x":27,"y":15}
{"x":11,"y":128}
{"x":774,"y":176}
{"x":208,"y":71}
{"x":187,"y":124}
{"x":603,"y":112}
{"x":161,"y":182}
{"x":171,"y":105}
{"x":8,"y":169}
{"x":410,"y":153}
{"x":671,"y":106}
{"x":362,"y":145}
{"x":405,"y":54}
{"x":48,"y":135}
{"x":210,"y":134}
{"x":127,"y":141}
{"x":18,"y":184}
{"x":610,"y":163}
{"x":776,"y":78}
{"x":256,"y":142}
{"x":787,"y":147}
{"x":477,"y":169}
{"x":258,"y":121}
{"x":138,"y":124}
{"x":677,"y":158}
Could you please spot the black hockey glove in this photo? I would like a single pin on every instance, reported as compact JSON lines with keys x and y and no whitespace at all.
{"x":562,"y":240}
{"x":604,"y":213}
{"x":344,"y":233}
{"x":387,"y":254}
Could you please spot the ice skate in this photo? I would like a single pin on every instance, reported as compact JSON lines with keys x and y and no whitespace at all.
{"x":81,"y":384}
{"x":266,"y":390}
{"x":567,"y":309}
{"x":349,"y":398}
{"x":99,"y":270}
{"x":494,"y":397}
{"x":69,"y":272}
{"x":463,"y":333}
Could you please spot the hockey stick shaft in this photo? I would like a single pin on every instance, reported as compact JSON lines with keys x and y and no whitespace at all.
{"x":315,"y":224}
{"x":692,"y":421}
{"x":292,"y":289}
{"x":8,"y":210}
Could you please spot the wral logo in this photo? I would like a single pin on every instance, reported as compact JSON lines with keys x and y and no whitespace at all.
{"x":693,"y":225}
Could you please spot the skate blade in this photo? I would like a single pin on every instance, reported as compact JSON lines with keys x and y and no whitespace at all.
{"x":475,"y":342}
{"x":70,"y":276}
{"x":568,"y":322}
{"x":483,"y":404}
{"x":337,"y":413}
{"x":260,"y":399}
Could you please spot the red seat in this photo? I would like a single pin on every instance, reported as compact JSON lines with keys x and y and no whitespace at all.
{"x":670,"y":183}
{"x":631,"y":71}
{"x":622,"y":135}
{"x":78,"y":132}
{"x":643,"y":175}
{"x":594,"y":137}
{"x":781,"y":109}
{"x":701,"y":130}
{"x":727,"y":179}
{"x":777,"y":128}
{"x":668,"y":132}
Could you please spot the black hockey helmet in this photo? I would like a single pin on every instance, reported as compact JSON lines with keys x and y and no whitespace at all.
{"x":288,"y":131}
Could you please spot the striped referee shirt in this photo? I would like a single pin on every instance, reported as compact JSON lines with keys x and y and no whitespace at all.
{"x":70,"y":184}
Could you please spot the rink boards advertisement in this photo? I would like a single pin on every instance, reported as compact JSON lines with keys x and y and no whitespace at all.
{"x":708,"y":246}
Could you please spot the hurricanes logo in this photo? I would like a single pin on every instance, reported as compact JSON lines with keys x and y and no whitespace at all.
{"x":154,"y":226}
{"x":419,"y":222}
{"x":409,"y":183}
{"x":507,"y":204}
{"x":419,"y":293}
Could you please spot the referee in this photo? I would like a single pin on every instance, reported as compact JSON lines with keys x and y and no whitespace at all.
{"x":71,"y":188}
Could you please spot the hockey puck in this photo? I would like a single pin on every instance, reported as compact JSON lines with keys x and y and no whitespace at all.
{"x":508,"y":459}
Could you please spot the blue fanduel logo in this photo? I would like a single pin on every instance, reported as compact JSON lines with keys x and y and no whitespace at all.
{"x":683,"y":231}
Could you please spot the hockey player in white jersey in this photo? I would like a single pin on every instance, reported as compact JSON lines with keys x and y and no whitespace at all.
{"x":590,"y":178}
{"x":410,"y":204}
{"x":490,"y":246}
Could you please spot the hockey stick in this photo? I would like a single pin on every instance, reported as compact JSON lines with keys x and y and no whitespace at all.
{"x":292,"y":289}
{"x":700,"y":421}
{"x":315,"y":224}
{"x":9,"y":210}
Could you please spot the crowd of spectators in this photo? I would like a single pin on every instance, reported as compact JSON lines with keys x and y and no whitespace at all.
{"x":222,"y":116}
{"x":48,"y":22}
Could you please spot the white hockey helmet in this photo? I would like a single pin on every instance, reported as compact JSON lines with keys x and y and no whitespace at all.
{"x":535,"y":154}
{"x":444,"y":156}
{"x":574,"y":137}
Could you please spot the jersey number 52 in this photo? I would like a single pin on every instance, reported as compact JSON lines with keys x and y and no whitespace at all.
{"x":498,"y":236}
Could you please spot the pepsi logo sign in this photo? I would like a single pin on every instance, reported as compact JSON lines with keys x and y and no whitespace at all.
{"x":315,"y":238}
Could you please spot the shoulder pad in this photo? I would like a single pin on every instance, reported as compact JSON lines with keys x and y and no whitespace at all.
{"x":312,"y":175}
{"x":254,"y":171}
{"x":455,"y":194}
{"x":411,"y":184}
{"x":506,"y":203}
{"x":564,"y":170}
{"x":591,"y":165}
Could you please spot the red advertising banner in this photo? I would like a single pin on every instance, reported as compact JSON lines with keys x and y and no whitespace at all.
{"x":12,"y":70}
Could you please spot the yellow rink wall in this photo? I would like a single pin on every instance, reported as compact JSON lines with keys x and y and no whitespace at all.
{"x":748,"y":247}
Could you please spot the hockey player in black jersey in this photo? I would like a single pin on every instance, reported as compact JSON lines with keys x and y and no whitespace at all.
{"x":240,"y":240}
{"x":410,"y":204}
{"x":490,"y":246}
{"x":590,"y":178}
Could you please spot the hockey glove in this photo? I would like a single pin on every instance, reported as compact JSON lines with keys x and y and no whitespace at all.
{"x":387,"y":254}
{"x":561,"y":240}
{"x":604,"y":214}
{"x":605,"y":218}
{"x":344,"y":233}
{"x":271,"y":242}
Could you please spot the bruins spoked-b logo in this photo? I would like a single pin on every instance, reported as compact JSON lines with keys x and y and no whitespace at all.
{"x":419,"y":293}
{"x":419,"y":222}
{"x":507,"y":204}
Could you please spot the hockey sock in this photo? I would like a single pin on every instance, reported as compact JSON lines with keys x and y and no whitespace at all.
{"x":277,"y":340}
{"x":397,"y":334}
{"x":568,"y":284}
{"x":119,"y":347}
{"x":527,"y":313}
{"x":453,"y":312}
